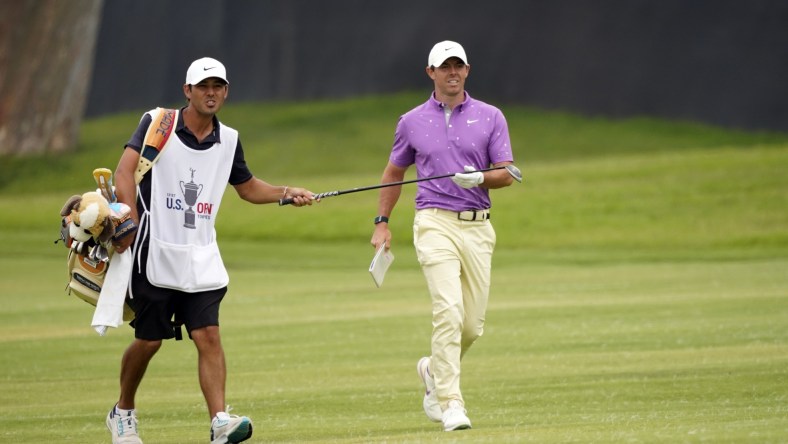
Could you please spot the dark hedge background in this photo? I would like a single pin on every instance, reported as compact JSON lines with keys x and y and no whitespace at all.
{"x":716,"y":61}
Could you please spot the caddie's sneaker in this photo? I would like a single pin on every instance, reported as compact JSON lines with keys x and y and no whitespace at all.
{"x":123,"y":427}
{"x":226,"y":429}
{"x":430,"y":403}
{"x":454,"y":417}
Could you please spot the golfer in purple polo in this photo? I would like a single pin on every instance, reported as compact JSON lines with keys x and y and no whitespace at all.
{"x":454,"y":239}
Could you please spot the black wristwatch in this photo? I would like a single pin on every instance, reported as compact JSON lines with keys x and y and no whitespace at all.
{"x":379,"y":219}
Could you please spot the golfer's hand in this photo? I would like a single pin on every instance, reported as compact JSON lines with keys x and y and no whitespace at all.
{"x":300,"y":196}
{"x":381,"y":235}
{"x":470,"y":178}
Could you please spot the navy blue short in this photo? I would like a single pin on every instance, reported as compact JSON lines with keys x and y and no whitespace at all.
{"x":158,"y":312}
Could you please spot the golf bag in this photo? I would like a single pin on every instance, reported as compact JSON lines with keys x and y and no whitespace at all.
{"x":87,"y":262}
{"x":86,"y":273}
{"x":86,"y":276}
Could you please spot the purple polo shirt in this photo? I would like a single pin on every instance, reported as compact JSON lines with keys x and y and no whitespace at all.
{"x":476,"y":135}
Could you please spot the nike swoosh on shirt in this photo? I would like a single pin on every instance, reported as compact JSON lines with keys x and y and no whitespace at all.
{"x":472,"y":121}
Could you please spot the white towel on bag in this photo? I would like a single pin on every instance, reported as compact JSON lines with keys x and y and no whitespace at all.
{"x":109,"y":309}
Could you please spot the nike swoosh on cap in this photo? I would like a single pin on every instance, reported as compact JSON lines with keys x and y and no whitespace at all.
{"x":206,"y":69}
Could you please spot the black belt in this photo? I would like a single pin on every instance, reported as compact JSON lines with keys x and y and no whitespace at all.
{"x":474,"y":215}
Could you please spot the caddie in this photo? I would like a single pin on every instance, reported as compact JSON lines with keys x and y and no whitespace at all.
{"x":178,"y":274}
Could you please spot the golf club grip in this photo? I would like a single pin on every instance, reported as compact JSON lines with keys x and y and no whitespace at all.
{"x":318,"y":196}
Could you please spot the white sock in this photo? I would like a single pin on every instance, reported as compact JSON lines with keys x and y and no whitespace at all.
{"x":123,"y":412}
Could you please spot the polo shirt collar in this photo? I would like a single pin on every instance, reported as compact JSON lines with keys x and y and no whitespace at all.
{"x":439,"y":104}
{"x":215,"y":134}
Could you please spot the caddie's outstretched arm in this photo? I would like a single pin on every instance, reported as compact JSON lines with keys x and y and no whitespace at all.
{"x":258,"y":191}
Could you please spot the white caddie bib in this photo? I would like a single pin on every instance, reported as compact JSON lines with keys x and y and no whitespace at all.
{"x":186,"y":192}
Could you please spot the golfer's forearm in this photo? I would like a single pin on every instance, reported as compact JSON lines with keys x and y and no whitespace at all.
{"x":499,"y":178}
{"x":388,"y":200}
{"x":496,"y":179}
{"x":390,"y":195}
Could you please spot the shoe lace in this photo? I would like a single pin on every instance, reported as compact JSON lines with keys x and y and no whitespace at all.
{"x":123,"y":421}
{"x":225,"y":415}
{"x":456,"y":408}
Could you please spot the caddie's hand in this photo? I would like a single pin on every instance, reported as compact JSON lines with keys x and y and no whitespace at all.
{"x":124,"y":243}
{"x":300,"y":196}
{"x":470,"y":178}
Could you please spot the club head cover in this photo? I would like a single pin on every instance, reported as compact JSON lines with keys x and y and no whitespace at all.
{"x":122,"y":220}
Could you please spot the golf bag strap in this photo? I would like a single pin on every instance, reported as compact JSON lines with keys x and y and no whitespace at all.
{"x":142,"y":232}
{"x":159,"y":131}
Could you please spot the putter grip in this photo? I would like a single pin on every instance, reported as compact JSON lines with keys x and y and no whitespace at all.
{"x":286,"y":201}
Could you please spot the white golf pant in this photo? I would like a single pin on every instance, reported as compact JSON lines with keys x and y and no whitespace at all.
{"x":455,"y":257}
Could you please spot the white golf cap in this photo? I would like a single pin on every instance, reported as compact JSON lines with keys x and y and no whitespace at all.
{"x":446,"y":50}
{"x":204,"y":68}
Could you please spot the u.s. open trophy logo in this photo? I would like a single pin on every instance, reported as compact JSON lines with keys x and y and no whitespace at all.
{"x":190,"y":192}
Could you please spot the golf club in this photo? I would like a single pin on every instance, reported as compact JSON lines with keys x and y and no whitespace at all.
{"x":511,"y":169}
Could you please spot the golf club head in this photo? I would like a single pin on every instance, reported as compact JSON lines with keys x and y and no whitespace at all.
{"x":515,"y":172}
{"x":93,"y":252}
{"x":102,"y":254}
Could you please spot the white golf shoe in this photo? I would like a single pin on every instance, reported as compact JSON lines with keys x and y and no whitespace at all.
{"x":123,"y":428}
{"x":430,"y":403}
{"x":226,"y":429}
{"x":454,"y":417}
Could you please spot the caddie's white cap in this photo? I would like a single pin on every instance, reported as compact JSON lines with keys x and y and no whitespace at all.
{"x":445,"y":50}
{"x":204,"y":68}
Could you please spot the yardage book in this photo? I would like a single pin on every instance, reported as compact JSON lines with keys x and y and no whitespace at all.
{"x":380,"y":264}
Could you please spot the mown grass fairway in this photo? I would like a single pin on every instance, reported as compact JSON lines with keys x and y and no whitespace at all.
{"x":640,"y":292}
